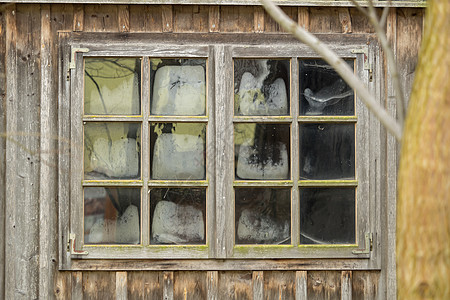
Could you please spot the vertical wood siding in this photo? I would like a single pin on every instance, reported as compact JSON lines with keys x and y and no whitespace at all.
{"x":28,"y":174}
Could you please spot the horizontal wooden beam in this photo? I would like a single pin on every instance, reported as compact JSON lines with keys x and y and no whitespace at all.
{"x":398,"y":3}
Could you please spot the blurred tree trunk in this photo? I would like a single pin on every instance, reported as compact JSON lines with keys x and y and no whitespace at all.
{"x":423,"y":219}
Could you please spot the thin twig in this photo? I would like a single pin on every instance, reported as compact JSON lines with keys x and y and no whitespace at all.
{"x":338,"y":64}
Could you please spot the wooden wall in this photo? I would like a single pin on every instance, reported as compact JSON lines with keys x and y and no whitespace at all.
{"x":28,"y":174}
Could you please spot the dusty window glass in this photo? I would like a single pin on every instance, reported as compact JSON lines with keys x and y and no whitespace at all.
{"x":327,"y":216}
{"x":112,"y":86}
{"x":177,"y":151}
{"x":263,"y":216}
{"x":178,"y":216}
{"x":327,"y":151}
{"x":322,"y":91}
{"x":112,"y":150}
{"x":261,"y":87}
{"x":178,"y":87}
{"x":262,"y":151}
{"x":112,"y":215}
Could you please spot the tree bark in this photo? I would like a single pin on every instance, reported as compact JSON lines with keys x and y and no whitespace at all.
{"x":423,"y":219}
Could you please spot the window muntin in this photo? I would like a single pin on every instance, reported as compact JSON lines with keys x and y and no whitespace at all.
{"x":294,"y":120}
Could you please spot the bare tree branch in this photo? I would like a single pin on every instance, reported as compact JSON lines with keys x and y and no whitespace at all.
{"x":338,"y":64}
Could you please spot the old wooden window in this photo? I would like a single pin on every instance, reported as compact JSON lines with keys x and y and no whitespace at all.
{"x":214,"y":148}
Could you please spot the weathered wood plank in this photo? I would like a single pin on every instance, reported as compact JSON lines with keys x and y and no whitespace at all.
{"x":78,"y":17}
{"x":301,"y":285}
{"x":214,"y":18}
{"x":168,"y":285}
{"x":324,"y":285}
{"x":121,"y":286}
{"x":167,"y":18}
{"x":346,"y":21}
{"x":124,"y":18}
{"x":360,"y":23}
{"x":365,"y":285}
{"x":235,"y":285}
{"x":190,"y":285}
{"x":62,"y":18}
{"x":100,"y":18}
{"x":63,"y":286}
{"x":145,"y":285}
{"x":146,"y":18}
{"x":272,"y":26}
{"x":193,"y":18}
{"x":213,"y":285}
{"x":236,"y":18}
{"x":99,"y":285}
{"x":258,"y":19}
{"x":2,"y":147}
{"x":346,"y":285}
{"x":258,"y":285}
{"x":77,"y":285}
{"x":324,"y":20}
{"x":48,"y":172}
{"x":279,"y":285}
{"x":22,"y":177}
{"x":303,"y":17}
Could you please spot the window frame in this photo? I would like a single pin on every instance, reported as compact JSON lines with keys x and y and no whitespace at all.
{"x":219,"y":50}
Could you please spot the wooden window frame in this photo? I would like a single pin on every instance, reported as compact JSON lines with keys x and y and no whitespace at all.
{"x":220,"y":250}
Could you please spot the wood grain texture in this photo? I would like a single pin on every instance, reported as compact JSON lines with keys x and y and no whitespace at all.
{"x":101,"y":18}
{"x":365,"y":285}
{"x":62,"y":289}
{"x":167,"y":18}
{"x":345,"y":19}
{"x":22,"y":177}
{"x":360,"y":23}
{"x":303,"y":17}
{"x":235,"y":285}
{"x":301,"y":285}
{"x":236,"y":19}
{"x":78,"y":17}
{"x":193,"y":18}
{"x":346,"y":285}
{"x":146,"y":18}
{"x":121,"y":286}
{"x":124,"y":18}
{"x":279,"y":285}
{"x":324,"y":20}
{"x":2,"y":147}
{"x":258,"y":19}
{"x":324,"y":285}
{"x":77,"y":285}
{"x":212,"y":285}
{"x":168,"y":286}
{"x":145,"y":285}
{"x":272,"y":26}
{"x":258,"y":285}
{"x":214,"y":18}
{"x":99,"y":285}
{"x":190,"y":285}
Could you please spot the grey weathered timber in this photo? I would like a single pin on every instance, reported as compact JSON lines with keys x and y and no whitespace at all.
{"x":258,"y":285}
{"x":301,"y":285}
{"x":212,"y":285}
{"x":168,"y":286}
{"x":121,"y":286}
{"x":22,"y":156}
{"x":346,"y":285}
{"x":48,"y":157}
{"x":377,"y":3}
{"x":295,"y":167}
{"x":145,"y":154}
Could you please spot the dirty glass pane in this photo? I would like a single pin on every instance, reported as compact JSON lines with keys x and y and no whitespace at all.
{"x":178,"y":150}
{"x":112,"y":150}
{"x":263,"y":216}
{"x":327,"y":151}
{"x":261,"y":87}
{"x":178,"y":216}
{"x":261,"y":151}
{"x":112,"y":86}
{"x":327,"y":216}
{"x":322,"y":91}
{"x":112,"y":215}
{"x":178,"y":87}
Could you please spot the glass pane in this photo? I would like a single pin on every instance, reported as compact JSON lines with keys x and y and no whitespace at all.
{"x":112,"y":86}
{"x":178,"y":87}
{"x":178,"y":150}
{"x":112,"y":215}
{"x":327,"y":216}
{"x":263,"y":216}
{"x":112,"y":150}
{"x":327,"y":151}
{"x":322,"y":91}
{"x":178,"y":216}
{"x":261,"y":87}
{"x":261,"y":151}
